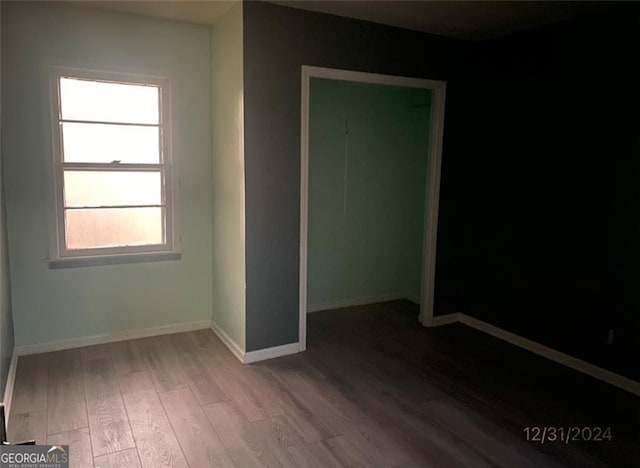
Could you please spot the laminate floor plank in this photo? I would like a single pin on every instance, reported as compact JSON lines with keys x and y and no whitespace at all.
{"x":250,"y":397}
{"x":159,"y":357}
{"x":365,"y":386}
{"x":127,"y":357}
{"x":346,"y":454}
{"x":265,"y":397}
{"x":30,"y":387}
{"x":310,"y":425}
{"x":323,"y":455}
{"x":28,"y":426}
{"x":155,"y":440}
{"x":487,"y":438}
{"x":91,"y":353}
{"x":400,"y":419}
{"x":202,"y":383}
{"x":66,"y":404}
{"x":245,"y":444}
{"x":79,"y":442}
{"x":376,"y":446}
{"x":217,"y":355}
{"x":199,"y":441}
{"x":287,"y":445}
{"x":346,"y":404}
{"x":125,"y":459}
{"x":307,"y":395}
{"x":108,"y":421}
{"x":413,"y":464}
{"x":374,"y":388}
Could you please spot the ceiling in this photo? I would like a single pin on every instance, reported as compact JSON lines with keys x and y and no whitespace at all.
{"x":203,"y":11}
{"x":474,"y":20}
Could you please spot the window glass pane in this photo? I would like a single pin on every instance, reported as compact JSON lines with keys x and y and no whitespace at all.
{"x":113,"y":227}
{"x":108,"y":102}
{"x":98,"y":143}
{"x":106,"y":188}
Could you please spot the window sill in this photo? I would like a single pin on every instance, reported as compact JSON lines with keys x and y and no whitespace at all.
{"x":116,"y":259}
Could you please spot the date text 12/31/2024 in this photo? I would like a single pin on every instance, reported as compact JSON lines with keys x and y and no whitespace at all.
{"x":567,"y":435}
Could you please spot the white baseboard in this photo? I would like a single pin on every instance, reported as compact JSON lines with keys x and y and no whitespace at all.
{"x":71,"y":343}
{"x":561,"y":358}
{"x":270,"y":353}
{"x":8,"y":389}
{"x":358,"y":301}
{"x":228,"y":341}
{"x":247,"y":357}
{"x":557,"y":356}
{"x":442,"y":320}
{"x":412,"y":297}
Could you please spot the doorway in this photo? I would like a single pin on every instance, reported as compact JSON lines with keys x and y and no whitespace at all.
{"x":351,"y":176}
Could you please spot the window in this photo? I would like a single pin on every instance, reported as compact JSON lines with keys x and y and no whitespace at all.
{"x":112,"y":167}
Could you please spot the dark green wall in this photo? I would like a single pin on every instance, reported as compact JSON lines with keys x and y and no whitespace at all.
{"x":539,"y":217}
{"x":368,"y":149}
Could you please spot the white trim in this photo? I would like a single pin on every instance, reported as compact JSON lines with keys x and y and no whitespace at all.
{"x":433,"y":178}
{"x":372,"y":78}
{"x":432,"y":201}
{"x":411,"y":297}
{"x":116,"y":259}
{"x":541,"y":350}
{"x":442,"y":320}
{"x":257,"y":355}
{"x":304,"y":206}
{"x":557,"y":356}
{"x":123,"y":335}
{"x":228,"y":341}
{"x":8,"y":389}
{"x":58,"y":252}
{"x":356,"y":301}
{"x":270,"y":353}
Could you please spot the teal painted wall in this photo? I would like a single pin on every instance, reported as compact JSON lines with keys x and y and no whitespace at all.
{"x":367,"y":173}
{"x":50,"y":305}
{"x":228,"y":175}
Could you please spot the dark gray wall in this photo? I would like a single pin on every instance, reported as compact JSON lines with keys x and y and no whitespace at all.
{"x":277,"y":42}
{"x":6,"y":319}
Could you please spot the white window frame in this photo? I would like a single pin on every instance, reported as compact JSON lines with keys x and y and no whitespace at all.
{"x":59,"y":255}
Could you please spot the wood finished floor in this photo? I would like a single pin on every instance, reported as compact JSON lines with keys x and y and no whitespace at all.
{"x":374,"y":388}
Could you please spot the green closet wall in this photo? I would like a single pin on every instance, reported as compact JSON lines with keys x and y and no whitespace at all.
{"x":367,"y":173}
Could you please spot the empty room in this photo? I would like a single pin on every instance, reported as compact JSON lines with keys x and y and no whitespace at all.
{"x":319,"y":233}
